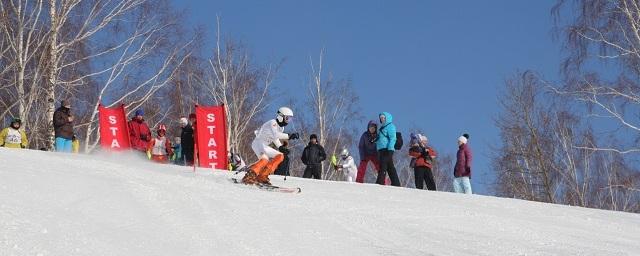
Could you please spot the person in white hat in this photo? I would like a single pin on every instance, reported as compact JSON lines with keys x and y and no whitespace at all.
{"x":462,"y":170}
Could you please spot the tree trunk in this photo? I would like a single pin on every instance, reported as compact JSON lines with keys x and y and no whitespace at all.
{"x":51,"y":83}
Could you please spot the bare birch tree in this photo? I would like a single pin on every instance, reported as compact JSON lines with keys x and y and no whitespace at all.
{"x":603,"y":32}
{"x":244,"y":90}
{"x":334,"y":109}
{"x":538,"y":160}
{"x":24,"y":39}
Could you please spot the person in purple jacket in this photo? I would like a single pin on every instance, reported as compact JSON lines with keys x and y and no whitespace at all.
{"x":462,"y":169}
{"x":368,"y":151}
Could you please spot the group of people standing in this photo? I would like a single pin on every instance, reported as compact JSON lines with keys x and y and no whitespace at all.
{"x":159,"y":148}
{"x":377,"y":146}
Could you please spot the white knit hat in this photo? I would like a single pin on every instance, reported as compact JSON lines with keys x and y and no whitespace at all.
{"x":184,"y":121}
{"x":422,"y":137}
{"x":462,"y":139}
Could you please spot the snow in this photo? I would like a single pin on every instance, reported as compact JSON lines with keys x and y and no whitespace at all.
{"x":61,"y":204}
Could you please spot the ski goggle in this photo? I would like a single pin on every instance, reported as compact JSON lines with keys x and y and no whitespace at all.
{"x":286,"y":119}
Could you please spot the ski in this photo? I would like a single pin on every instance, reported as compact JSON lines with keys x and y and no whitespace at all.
{"x":272,"y":188}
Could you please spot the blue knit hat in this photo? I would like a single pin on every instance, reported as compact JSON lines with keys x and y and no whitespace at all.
{"x":139,"y":112}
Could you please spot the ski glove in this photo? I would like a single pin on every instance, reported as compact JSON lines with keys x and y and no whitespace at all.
{"x":294,"y":136}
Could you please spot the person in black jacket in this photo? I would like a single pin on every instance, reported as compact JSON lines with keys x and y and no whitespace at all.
{"x":63,"y":126}
{"x":283,"y":168}
{"x":186,"y":140}
{"x":312,"y":156}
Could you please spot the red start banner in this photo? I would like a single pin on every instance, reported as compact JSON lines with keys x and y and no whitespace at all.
{"x":211,"y":134}
{"x":114,"y":133}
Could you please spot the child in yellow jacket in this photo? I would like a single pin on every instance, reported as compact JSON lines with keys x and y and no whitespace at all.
{"x":13,"y":137}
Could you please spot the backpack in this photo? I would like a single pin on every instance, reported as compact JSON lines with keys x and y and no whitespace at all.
{"x":399,"y":141}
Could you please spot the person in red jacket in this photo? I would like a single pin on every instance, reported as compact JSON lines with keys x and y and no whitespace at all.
{"x":159,"y":149}
{"x":422,"y":161}
{"x":139,"y":133}
{"x":462,"y":169}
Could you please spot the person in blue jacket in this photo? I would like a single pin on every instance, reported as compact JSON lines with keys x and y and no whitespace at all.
{"x":386,"y":146}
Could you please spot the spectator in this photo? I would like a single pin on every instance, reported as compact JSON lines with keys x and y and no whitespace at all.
{"x":177,"y":152}
{"x":236,"y":163}
{"x":462,"y":170}
{"x":139,"y":133}
{"x":283,"y":168}
{"x":422,"y":162}
{"x":367,"y":151}
{"x":194,"y":126}
{"x":347,"y":165}
{"x":159,"y":149}
{"x":186,"y":139}
{"x":312,"y":157}
{"x":63,"y":127}
{"x":75,"y":145}
{"x":12,"y":136}
{"x":385,"y":144}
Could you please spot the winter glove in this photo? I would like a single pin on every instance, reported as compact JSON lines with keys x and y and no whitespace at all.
{"x":283,"y":149}
{"x":294,"y":136}
{"x":425,"y":153}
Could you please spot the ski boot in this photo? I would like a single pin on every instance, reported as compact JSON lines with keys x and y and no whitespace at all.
{"x":250,"y":178}
{"x":264,"y":180}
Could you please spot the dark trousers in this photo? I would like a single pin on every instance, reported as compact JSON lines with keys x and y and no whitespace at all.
{"x":312,"y":170}
{"x":283,"y":168}
{"x":387,"y":166}
{"x":188,"y":157}
{"x":423,"y":175}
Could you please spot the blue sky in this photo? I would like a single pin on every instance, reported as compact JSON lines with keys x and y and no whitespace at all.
{"x":436,"y":65}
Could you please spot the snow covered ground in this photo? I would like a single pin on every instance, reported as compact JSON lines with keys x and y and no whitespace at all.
{"x":58,"y":204}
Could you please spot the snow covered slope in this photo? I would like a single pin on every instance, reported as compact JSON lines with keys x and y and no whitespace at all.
{"x":59,"y":204}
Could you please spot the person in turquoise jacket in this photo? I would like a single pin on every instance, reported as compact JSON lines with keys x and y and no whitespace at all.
{"x":386,"y":146}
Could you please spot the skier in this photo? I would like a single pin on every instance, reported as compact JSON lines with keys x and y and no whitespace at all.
{"x":270,"y":132}
{"x":13,"y":137}
{"x":312,"y":157}
{"x":347,"y":165}
{"x":159,"y":149}
{"x":367,"y":150}
{"x":422,"y":162}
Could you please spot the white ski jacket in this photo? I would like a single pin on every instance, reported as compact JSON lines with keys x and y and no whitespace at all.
{"x":271,"y":132}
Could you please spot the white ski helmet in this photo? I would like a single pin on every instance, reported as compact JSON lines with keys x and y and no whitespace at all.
{"x":284,"y":112}
{"x":345,"y":152}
